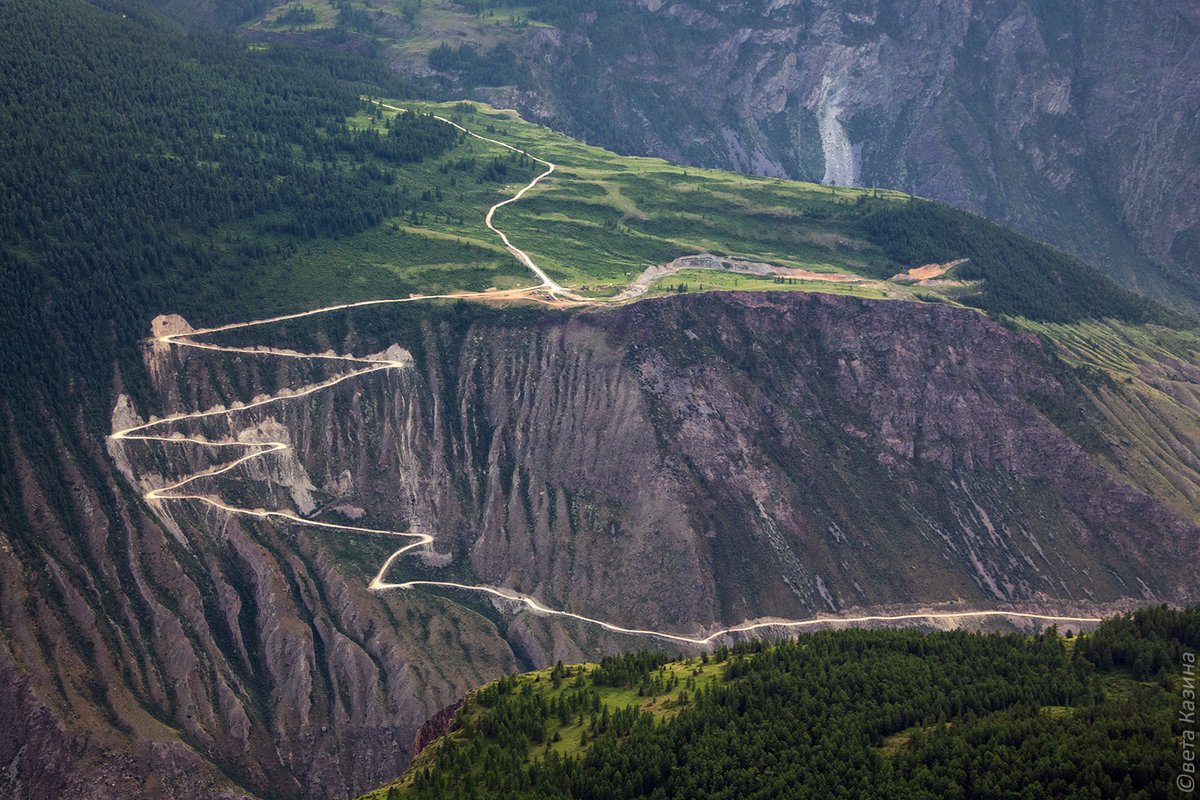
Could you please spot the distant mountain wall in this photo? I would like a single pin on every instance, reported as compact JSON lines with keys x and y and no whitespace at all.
{"x":1074,"y":121}
{"x":1077,"y":122}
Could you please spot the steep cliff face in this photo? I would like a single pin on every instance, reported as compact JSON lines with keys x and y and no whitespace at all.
{"x":170,"y":651}
{"x":1073,"y":122}
{"x":716,"y":458}
{"x":724,"y":457}
{"x":678,"y":463}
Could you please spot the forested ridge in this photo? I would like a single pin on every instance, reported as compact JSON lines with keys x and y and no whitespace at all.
{"x":128,"y":144}
{"x":1020,"y":276}
{"x":849,"y":713}
{"x":144,"y":169}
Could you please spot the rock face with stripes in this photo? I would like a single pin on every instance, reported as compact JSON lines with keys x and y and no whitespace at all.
{"x":681,"y":464}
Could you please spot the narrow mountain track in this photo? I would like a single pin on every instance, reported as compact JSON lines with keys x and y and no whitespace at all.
{"x":521,"y":255}
{"x":547,"y":292}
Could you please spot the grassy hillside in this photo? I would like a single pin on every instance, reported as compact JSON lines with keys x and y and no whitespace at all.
{"x":1140,"y":388}
{"x":848,"y":713}
{"x":589,"y":77}
{"x":600,"y":220}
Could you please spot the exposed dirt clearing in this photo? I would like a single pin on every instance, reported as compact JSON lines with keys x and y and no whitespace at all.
{"x":928,"y":271}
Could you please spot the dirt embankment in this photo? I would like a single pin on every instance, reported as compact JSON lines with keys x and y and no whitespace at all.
{"x":435,"y":727}
{"x":927,"y":272}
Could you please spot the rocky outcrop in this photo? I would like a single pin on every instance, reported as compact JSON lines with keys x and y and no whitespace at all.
{"x":678,"y":463}
{"x":435,"y":727}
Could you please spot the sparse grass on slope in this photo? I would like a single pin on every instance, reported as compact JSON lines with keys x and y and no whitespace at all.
{"x":1138,"y":401}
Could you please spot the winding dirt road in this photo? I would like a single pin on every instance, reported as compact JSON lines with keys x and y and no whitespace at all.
{"x":521,"y":255}
{"x":547,"y":292}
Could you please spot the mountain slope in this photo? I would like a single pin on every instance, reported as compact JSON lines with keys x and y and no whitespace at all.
{"x":162,"y":648}
{"x":1029,"y":113}
{"x":763,"y":454}
{"x":143,"y":168}
{"x":1069,"y":122}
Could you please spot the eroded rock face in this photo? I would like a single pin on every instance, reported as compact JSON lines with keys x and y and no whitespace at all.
{"x":679,"y":463}
{"x":435,"y":727}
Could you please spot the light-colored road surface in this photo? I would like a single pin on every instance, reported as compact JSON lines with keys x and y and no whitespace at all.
{"x":547,"y":292}
{"x":520,"y":254}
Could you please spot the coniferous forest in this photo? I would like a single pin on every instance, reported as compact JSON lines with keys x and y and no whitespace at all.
{"x":144,"y":167}
{"x":128,"y":145}
{"x":849,"y":713}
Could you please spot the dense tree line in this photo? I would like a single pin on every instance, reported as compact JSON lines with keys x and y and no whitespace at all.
{"x":851,"y":713}
{"x":1020,"y":277}
{"x":297,"y":15}
{"x":410,"y":137}
{"x":538,"y":9}
{"x":219,"y":13}
{"x":552,"y":11}
{"x":1149,"y":642}
{"x":627,"y":669}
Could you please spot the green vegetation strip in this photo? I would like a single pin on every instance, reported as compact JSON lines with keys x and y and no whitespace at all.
{"x":850,"y":713}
